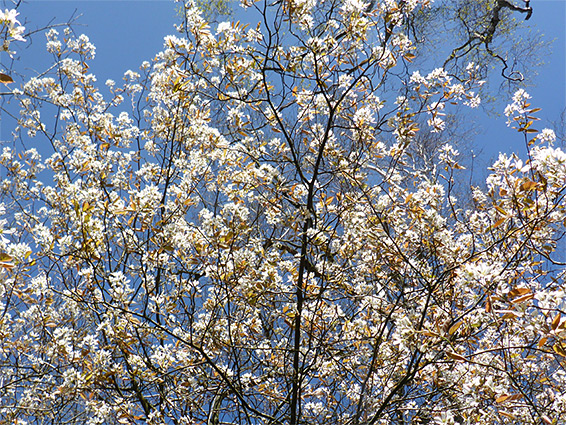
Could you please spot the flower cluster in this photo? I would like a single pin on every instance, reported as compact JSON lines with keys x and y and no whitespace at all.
{"x":10,"y":29}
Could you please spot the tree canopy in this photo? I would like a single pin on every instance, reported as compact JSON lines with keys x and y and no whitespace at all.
{"x":244,"y":232}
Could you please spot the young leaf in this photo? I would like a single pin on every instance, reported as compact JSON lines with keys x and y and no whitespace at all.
{"x":6,"y":79}
{"x":556,"y":322}
{"x":519,"y":292}
{"x":559,"y":350}
{"x":454,"y":328}
{"x":455,"y":356}
{"x":523,"y":298}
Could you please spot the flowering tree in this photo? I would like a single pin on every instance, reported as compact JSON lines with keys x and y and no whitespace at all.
{"x":239,"y":234}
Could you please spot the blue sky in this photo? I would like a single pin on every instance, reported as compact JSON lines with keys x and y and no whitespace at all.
{"x":549,"y":90}
{"x":127,"y":32}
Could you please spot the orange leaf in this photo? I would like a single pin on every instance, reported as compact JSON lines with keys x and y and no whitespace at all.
{"x":507,"y":415}
{"x":488,"y":305}
{"x":6,"y":261}
{"x":515,"y":397}
{"x":500,"y":210}
{"x":559,"y":350}
{"x":498,"y":223}
{"x":454,"y":328}
{"x":5,"y":257}
{"x":6,"y":79}
{"x":523,"y":298}
{"x":509,"y":315}
{"x":410,"y":57}
{"x":556,"y":322}
{"x":455,"y":356}
{"x":518,"y":292}
{"x":528,"y":185}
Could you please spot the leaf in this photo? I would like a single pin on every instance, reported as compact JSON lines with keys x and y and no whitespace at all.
{"x":523,"y":298}
{"x":518,"y":292}
{"x":500,"y":209}
{"x":5,"y":257}
{"x":498,"y":223}
{"x":556,"y":322}
{"x":559,"y":350}
{"x":507,"y":415}
{"x":509,"y":315}
{"x":455,"y":356}
{"x":6,"y":261}
{"x":410,"y":57}
{"x":122,"y":211}
{"x":6,"y":79}
{"x":546,"y":419}
{"x":515,"y":397}
{"x":528,"y":185}
{"x":502,"y":398}
{"x":454,"y":327}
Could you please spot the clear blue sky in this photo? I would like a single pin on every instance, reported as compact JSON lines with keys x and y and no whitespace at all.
{"x":129,"y":32}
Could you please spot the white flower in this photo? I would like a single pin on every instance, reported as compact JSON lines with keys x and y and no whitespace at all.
{"x":448,"y":154}
{"x":547,"y":135}
{"x":439,"y":74}
{"x":417,"y":78}
{"x":15,"y":30}
{"x":363,"y":117}
{"x":120,"y":288}
{"x":518,"y":107}
{"x":83,"y":46}
{"x":354,"y":6}
{"x":254,"y":35}
{"x":445,"y":418}
{"x":9,"y":17}
{"x":223,"y":27}
{"x":521,"y":96}
{"x":473,"y":101}
{"x":3,"y":240}
{"x":437,"y":124}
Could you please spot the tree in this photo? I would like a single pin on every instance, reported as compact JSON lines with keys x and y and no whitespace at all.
{"x":240,"y":234}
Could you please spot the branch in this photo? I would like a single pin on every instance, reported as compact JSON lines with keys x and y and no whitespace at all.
{"x":486,"y":37}
{"x":495,"y":19}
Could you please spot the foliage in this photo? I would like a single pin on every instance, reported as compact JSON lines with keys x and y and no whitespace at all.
{"x":241,"y":234}
{"x":211,"y":10}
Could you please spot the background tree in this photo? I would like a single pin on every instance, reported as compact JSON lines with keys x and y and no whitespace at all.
{"x":253,"y":242}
